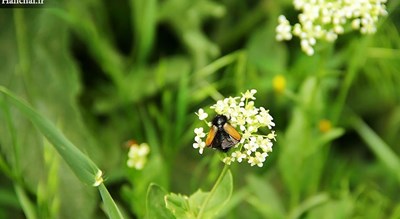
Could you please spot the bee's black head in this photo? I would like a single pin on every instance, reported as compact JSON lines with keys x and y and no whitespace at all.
{"x":219,"y":120}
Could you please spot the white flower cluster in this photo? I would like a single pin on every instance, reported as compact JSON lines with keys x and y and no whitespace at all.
{"x":137,"y":155}
{"x":247,"y":119}
{"x":326,"y":19}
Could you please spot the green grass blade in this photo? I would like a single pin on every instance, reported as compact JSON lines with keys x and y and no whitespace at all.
{"x":26,"y":204}
{"x":109,"y":204}
{"x":218,"y":64}
{"x":80,"y":164}
{"x":84,"y":168}
{"x":144,"y":18}
{"x":377,"y":145}
{"x":308,"y":204}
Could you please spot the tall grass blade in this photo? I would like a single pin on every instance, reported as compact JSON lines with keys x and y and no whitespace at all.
{"x":84,"y":168}
{"x":377,"y":145}
{"x":80,"y":164}
{"x":109,"y":204}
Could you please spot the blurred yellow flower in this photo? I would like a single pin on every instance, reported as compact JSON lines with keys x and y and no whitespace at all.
{"x":279,"y":83}
{"x":324,"y":125}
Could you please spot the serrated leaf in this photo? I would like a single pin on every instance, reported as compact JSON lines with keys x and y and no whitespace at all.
{"x":155,"y":203}
{"x":179,"y":206}
{"x":189,"y":207}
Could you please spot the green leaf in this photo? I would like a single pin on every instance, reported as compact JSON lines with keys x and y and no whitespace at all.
{"x":179,"y":206}
{"x":187,"y":18}
{"x":303,"y":148}
{"x":331,"y":135}
{"x":155,"y":171}
{"x":265,"y":199}
{"x":308,"y":204}
{"x":332,"y":209}
{"x":259,"y":47}
{"x":141,"y":82}
{"x":155,"y":203}
{"x":189,"y":207}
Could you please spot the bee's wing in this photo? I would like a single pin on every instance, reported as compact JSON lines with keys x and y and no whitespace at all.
{"x":228,"y":142}
{"x":232,"y":132}
{"x":211,"y":135}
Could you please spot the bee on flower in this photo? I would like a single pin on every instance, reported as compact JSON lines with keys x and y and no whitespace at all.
{"x":234,"y":130}
{"x":326,"y":20}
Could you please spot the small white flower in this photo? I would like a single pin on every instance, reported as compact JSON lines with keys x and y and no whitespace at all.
{"x":272,"y":135}
{"x":200,"y":145}
{"x":201,"y":114}
{"x":258,"y":159}
{"x":266,"y":145}
{"x":239,"y":156}
{"x":219,"y":107}
{"x":284,"y":29}
{"x":137,"y":155}
{"x":325,"y":20}
{"x":249,"y":95}
{"x":199,"y":132}
{"x":355,"y":24}
{"x":201,"y":149}
{"x":228,"y":160}
{"x":330,"y":36}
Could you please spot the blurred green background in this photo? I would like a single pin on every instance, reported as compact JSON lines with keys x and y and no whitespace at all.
{"x":105,"y":72}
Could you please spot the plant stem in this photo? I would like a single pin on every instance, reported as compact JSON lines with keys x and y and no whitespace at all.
{"x":352,"y":71}
{"x":211,"y":194}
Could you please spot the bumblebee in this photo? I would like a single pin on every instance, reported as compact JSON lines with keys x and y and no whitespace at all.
{"x":222,"y":135}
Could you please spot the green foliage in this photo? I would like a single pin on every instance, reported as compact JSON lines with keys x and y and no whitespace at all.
{"x":155,"y":203}
{"x":81,"y":165}
{"x":154,"y":172}
{"x":202,"y":204}
{"x":80,"y":78}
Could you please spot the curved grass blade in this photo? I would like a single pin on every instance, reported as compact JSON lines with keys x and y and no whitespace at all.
{"x":83,"y":167}
{"x":80,"y":164}
{"x":377,"y":145}
{"x":109,"y":204}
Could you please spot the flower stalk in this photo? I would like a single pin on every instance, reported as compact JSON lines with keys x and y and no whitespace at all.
{"x":212,"y":192}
